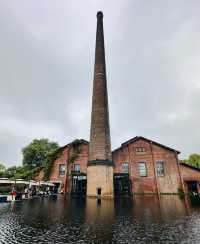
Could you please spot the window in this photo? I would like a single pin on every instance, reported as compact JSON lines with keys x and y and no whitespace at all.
{"x":125,"y":167}
{"x":142,"y":169}
{"x":77,"y":168}
{"x":160,"y":168}
{"x":62,"y":169}
{"x":140,"y":150}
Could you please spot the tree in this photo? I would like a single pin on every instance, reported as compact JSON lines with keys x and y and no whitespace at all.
{"x":10,"y":172}
{"x":2,"y":170}
{"x":194,"y":160}
{"x":36,"y":153}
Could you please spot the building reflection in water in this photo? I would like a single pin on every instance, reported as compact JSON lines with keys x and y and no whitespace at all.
{"x":70,"y":220}
{"x":154,"y":208}
{"x":99,"y":219}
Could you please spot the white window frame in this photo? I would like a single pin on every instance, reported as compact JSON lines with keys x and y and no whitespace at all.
{"x":77,"y":171}
{"x":142,"y":170}
{"x":62,"y":171}
{"x":163,"y":165}
{"x":125,"y":167}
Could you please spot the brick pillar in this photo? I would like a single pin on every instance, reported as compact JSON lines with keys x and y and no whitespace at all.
{"x":100,"y":165}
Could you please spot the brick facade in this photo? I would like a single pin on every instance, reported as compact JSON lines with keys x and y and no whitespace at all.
{"x":190,"y":174}
{"x":144,"y":151}
{"x":139,"y":150}
{"x":64,"y":159}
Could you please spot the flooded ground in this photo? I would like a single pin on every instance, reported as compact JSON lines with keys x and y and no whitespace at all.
{"x":141,"y":219}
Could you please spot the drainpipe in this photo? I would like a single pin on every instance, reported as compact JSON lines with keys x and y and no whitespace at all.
{"x":179,"y":171}
{"x":67,"y":170}
{"x":154,"y":166}
{"x":129,"y":159}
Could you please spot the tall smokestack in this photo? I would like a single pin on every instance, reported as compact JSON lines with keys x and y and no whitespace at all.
{"x":100,"y":165}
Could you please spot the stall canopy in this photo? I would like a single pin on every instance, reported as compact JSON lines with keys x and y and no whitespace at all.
{"x":21,"y":181}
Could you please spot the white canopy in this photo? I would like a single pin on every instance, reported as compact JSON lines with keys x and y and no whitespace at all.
{"x":21,"y":181}
{"x":46,"y":183}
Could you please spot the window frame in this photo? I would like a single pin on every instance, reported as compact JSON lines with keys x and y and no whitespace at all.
{"x":126,"y":169}
{"x":64,"y":171}
{"x":140,"y":150}
{"x":163,"y":164}
{"x":77,"y":171}
{"x":139,"y":169}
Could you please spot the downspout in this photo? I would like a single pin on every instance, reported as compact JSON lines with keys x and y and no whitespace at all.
{"x":129,"y":159}
{"x":154,"y":166}
{"x":179,"y":171}
{"x":130,"y":168}
{"x":67,"y":171}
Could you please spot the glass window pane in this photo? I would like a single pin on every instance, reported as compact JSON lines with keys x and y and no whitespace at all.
{"x":77,"y":168}
{"x":125,"y":167}
{"x":61,"y":169}
{"x":160,"y":168}
{"x":142,"y":169}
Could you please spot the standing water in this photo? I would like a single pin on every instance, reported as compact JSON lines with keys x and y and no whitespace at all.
{"x":141,"y":219}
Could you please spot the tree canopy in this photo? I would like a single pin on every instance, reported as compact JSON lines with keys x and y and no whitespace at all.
{"x":39,"y":154}
{"x":2,"y":169}
{"x":193,"y":160}
{"x":35,"y":154}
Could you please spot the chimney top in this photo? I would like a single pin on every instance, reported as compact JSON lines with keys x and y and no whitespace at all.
{"x":100,"y":14}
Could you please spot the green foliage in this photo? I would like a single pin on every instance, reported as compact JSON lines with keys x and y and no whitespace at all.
{"x":75,"y":150}
{"x":4,"y":190}
{"x":181,"y":192}
{"x":193,"y":160}
{"x":38,"y":155}
{"x":2,"y":170}
{"x":35,"y":154}
{"x":48,"y":163}
{"x":10,"y":172}
{"x":21,"y":172}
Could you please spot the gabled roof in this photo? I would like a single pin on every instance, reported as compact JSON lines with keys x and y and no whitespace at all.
{"x":136,"y":138}
{"x":189,"y":166}
{"x":81,"y":141}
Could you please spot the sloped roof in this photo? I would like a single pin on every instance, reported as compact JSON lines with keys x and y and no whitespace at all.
{"x":189,"y":166}
{"x":81,"y":141}
{"x":136,"y":138}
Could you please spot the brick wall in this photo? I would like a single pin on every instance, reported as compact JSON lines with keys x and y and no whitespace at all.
{"x":82,"y":160}
{"x":170,"y":182}
{"x":189,"y":173}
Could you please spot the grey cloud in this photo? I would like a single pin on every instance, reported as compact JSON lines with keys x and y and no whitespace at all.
{"x":46,"y":71}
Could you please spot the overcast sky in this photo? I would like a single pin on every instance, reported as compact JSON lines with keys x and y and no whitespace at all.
{"x":46,"y":71}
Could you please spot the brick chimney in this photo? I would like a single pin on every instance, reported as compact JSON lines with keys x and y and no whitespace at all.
{"x":100,"y":165}
{"x":100,"y":148}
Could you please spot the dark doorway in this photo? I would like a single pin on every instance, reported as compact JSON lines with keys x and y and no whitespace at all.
{"x":192,"y":186}
{"x":122,"y":184}
{"x":56,"y":188}
{"x":99,"y":191}
{"x":79,"y":184}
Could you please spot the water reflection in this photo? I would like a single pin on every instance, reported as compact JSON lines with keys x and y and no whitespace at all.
{"x":141,"y":219}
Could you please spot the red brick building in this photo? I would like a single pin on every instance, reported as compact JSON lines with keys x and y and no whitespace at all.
{"x":191,"y":177}
{"x":140,"y":166}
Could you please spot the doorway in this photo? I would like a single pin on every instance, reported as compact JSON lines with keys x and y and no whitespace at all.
{"x":192,"y":186}
{"x":122,"y":184}
{"x":98,"y":191}
{"x":79,"y":184}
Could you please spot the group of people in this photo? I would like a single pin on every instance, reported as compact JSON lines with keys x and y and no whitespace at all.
{"x":28,"y":192}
